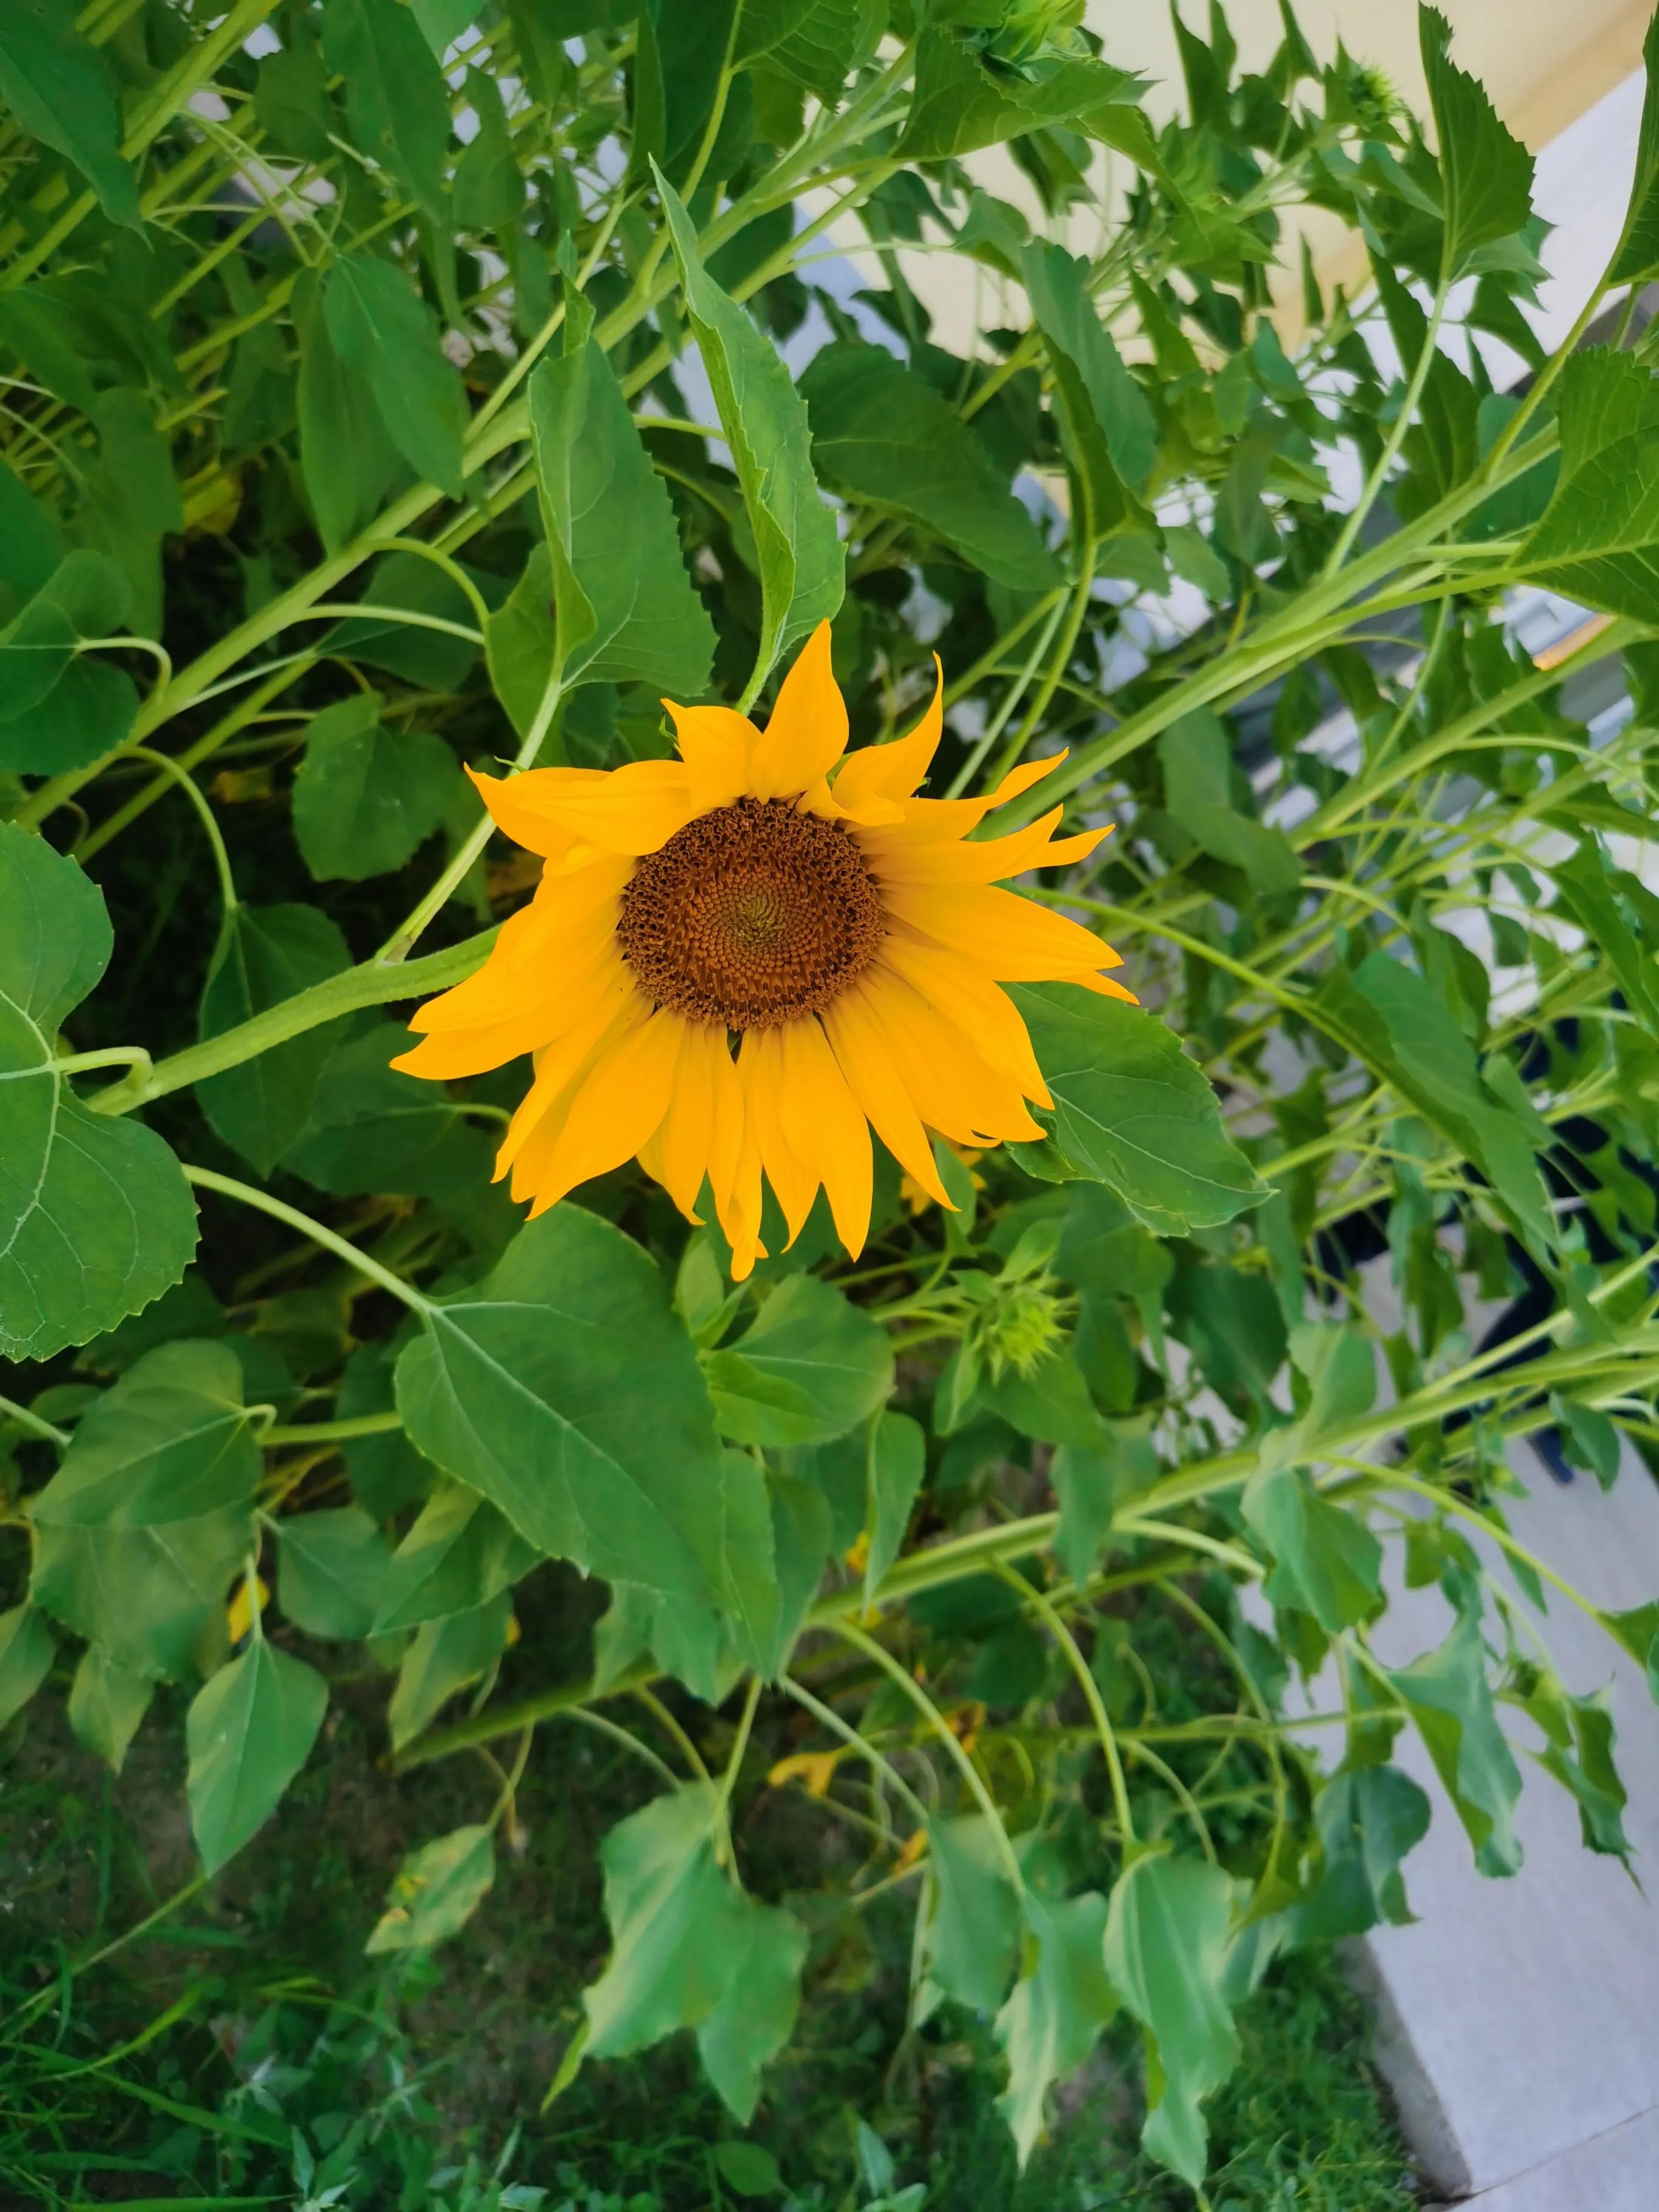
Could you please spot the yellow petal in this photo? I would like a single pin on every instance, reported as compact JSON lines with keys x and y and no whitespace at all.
{"x":893,"y":771}
{"x":685,"y":1141}
{"x":617,"y":1107}
{"x":939,"y":818}
{"x":955,"y":1090}
{"x":965,"y":994}
{"x":862,"y":1053}
{"x":562,"y":1065}
{"x":760,"y":1066}
{"x":633,"y":808}
{"x":542,"y":953}
{"x":1010,"y":938}
{"x":517,"y":804}
{"x":824,"y":1128}
{"x":990,"y":858}
{"x":714,"y":743}
{"x":807,"y":733}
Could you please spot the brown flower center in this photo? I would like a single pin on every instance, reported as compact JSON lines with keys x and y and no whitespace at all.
{"x":750,"y":915}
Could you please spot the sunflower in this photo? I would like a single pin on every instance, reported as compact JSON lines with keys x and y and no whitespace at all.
{"x":738,"y":963}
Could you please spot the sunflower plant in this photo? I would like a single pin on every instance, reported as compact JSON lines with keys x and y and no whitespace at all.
{"x":568,"y":767}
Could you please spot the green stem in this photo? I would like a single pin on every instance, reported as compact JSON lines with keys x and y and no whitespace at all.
{"x":245,"y":1195}
{"x":205,"y":814}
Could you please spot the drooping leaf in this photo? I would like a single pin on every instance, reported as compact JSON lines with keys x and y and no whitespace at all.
{"x":676,"y":1921}
{"x":564,"y":1390}
{"x":755,"y":2017}
{"x":265,"y":955}
{"x":446,"y":1657}
{"x":59,"y":709}
{"x":436,"y":1892}
{"x":249,"y":1731}
{"x":521,"y":641}
{"x":973,"y":1912}
{"x":106,"y":1702}
{"x":881,"y":434}
{"x":802,"y":565}
{"x":1057,"y":2008}
{"x":897,"y":1462}
{"x":1085,"y":1486}
{"x":1165,"y":1950}
{"x":1449,"y":1696}
{"x":1133,"y":1112}
{"x":1369,"y":1819}
{"x":60,"y":88}
{"x":1485,"y":173}
{"x":489,"y":188}
{"x":366,"y":795}
{"x":1106,"y":420}
{"x":96,"y":1219}
{"x":1195,"y":755}
{"x":1638,"y":256}
{"x":382,"y":330}
{"x":809,"y":1367}
{"x":1328,"y":1561}
{"x":626,"y":606}
{"x":346,"y":455}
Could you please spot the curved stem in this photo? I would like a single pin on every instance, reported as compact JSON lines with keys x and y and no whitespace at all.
{"x":1030,"y":1594}
{"x":198,"y":798}
{"x":245,"y":1195}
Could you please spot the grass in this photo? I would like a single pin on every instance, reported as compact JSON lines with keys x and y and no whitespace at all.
{"x":243,"y":2051}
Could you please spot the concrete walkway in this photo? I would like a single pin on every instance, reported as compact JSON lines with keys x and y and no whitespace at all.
{"x":1519,"y":2020}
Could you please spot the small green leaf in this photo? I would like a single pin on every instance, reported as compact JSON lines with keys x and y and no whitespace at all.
{"x":1369,"y":1819}
{"x":1195,"y":755}
{"x":802,"y":564}
{"x":57,"y":710}
{"x":897,"y":1462}
{"x":107,"y":1702}
{"x":1056,"y":2010}
{"x":564,"y":1390}
{"x":249,"y":1731}
{"x":460,"y":1553}
{"x":1166,"y":1947}
{"x":1327,"y":1560}
{"x":1637,"y":259}
{"x":490,"y":187}
{"x":436,"y":1892}
{"x":385,"y":332}
{"x":958,"y":105}
{"x":1485,"y":173}
{"x":749,"y":2169}
{"x":28,"y":1648}
{"x":1133,"y":1112}
{"x":265,"y":955}
{"x":809,"y":1367}
{"x":1106,"y":419}
{"x":96,"y":1219}
{"x":881,"y":434}
{"x":1085,"y":1486}
{"x":368,"y":796}
{"x":445,"y":1657}
{"x":60,"y":89}
{"x":346,"y":456}
{"x":331,"y":1571}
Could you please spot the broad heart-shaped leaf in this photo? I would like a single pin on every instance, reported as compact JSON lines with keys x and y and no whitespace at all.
{"x":28,"y":1648}
{"x":1328,"y":1563}
{"x":564,"y":1389}
{"x":1369,"y":1819}
{"x":1107,"y":421}
{"x":396,"y":96}
{"x":881,"y":434}
{"x":972,"y":1914}
{"x":1599,"y":538}
{"x":802,"y":563}
{"x":151,"y":1511}
{"x":107,"y":1702}
{"x":1449,"y":1698}
{"x":331,"y":1572}
{"x":170,"y":1442}
{"x":374,"y":1129}
{"x":383,"y":330}
{"x":265,"y":955}
{"x":756,"y":2016}
{"x":60,"y":90}
{"x":1486,"y":173}
{"x":627,"y":608}
{"x":249,"y":1731}
{"x":96,"y":1219}
{"x":809,"y":1367}
{"x":368,"y":795}
{"x":1166,"y":1950}
{"x":1132,"y":1111}
{"x":1057,"y":2008}
{"x":436,"y":1892}
{"x":1638,"y":258}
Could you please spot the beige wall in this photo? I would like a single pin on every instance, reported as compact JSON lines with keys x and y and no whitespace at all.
{"x":1544,"y":62}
